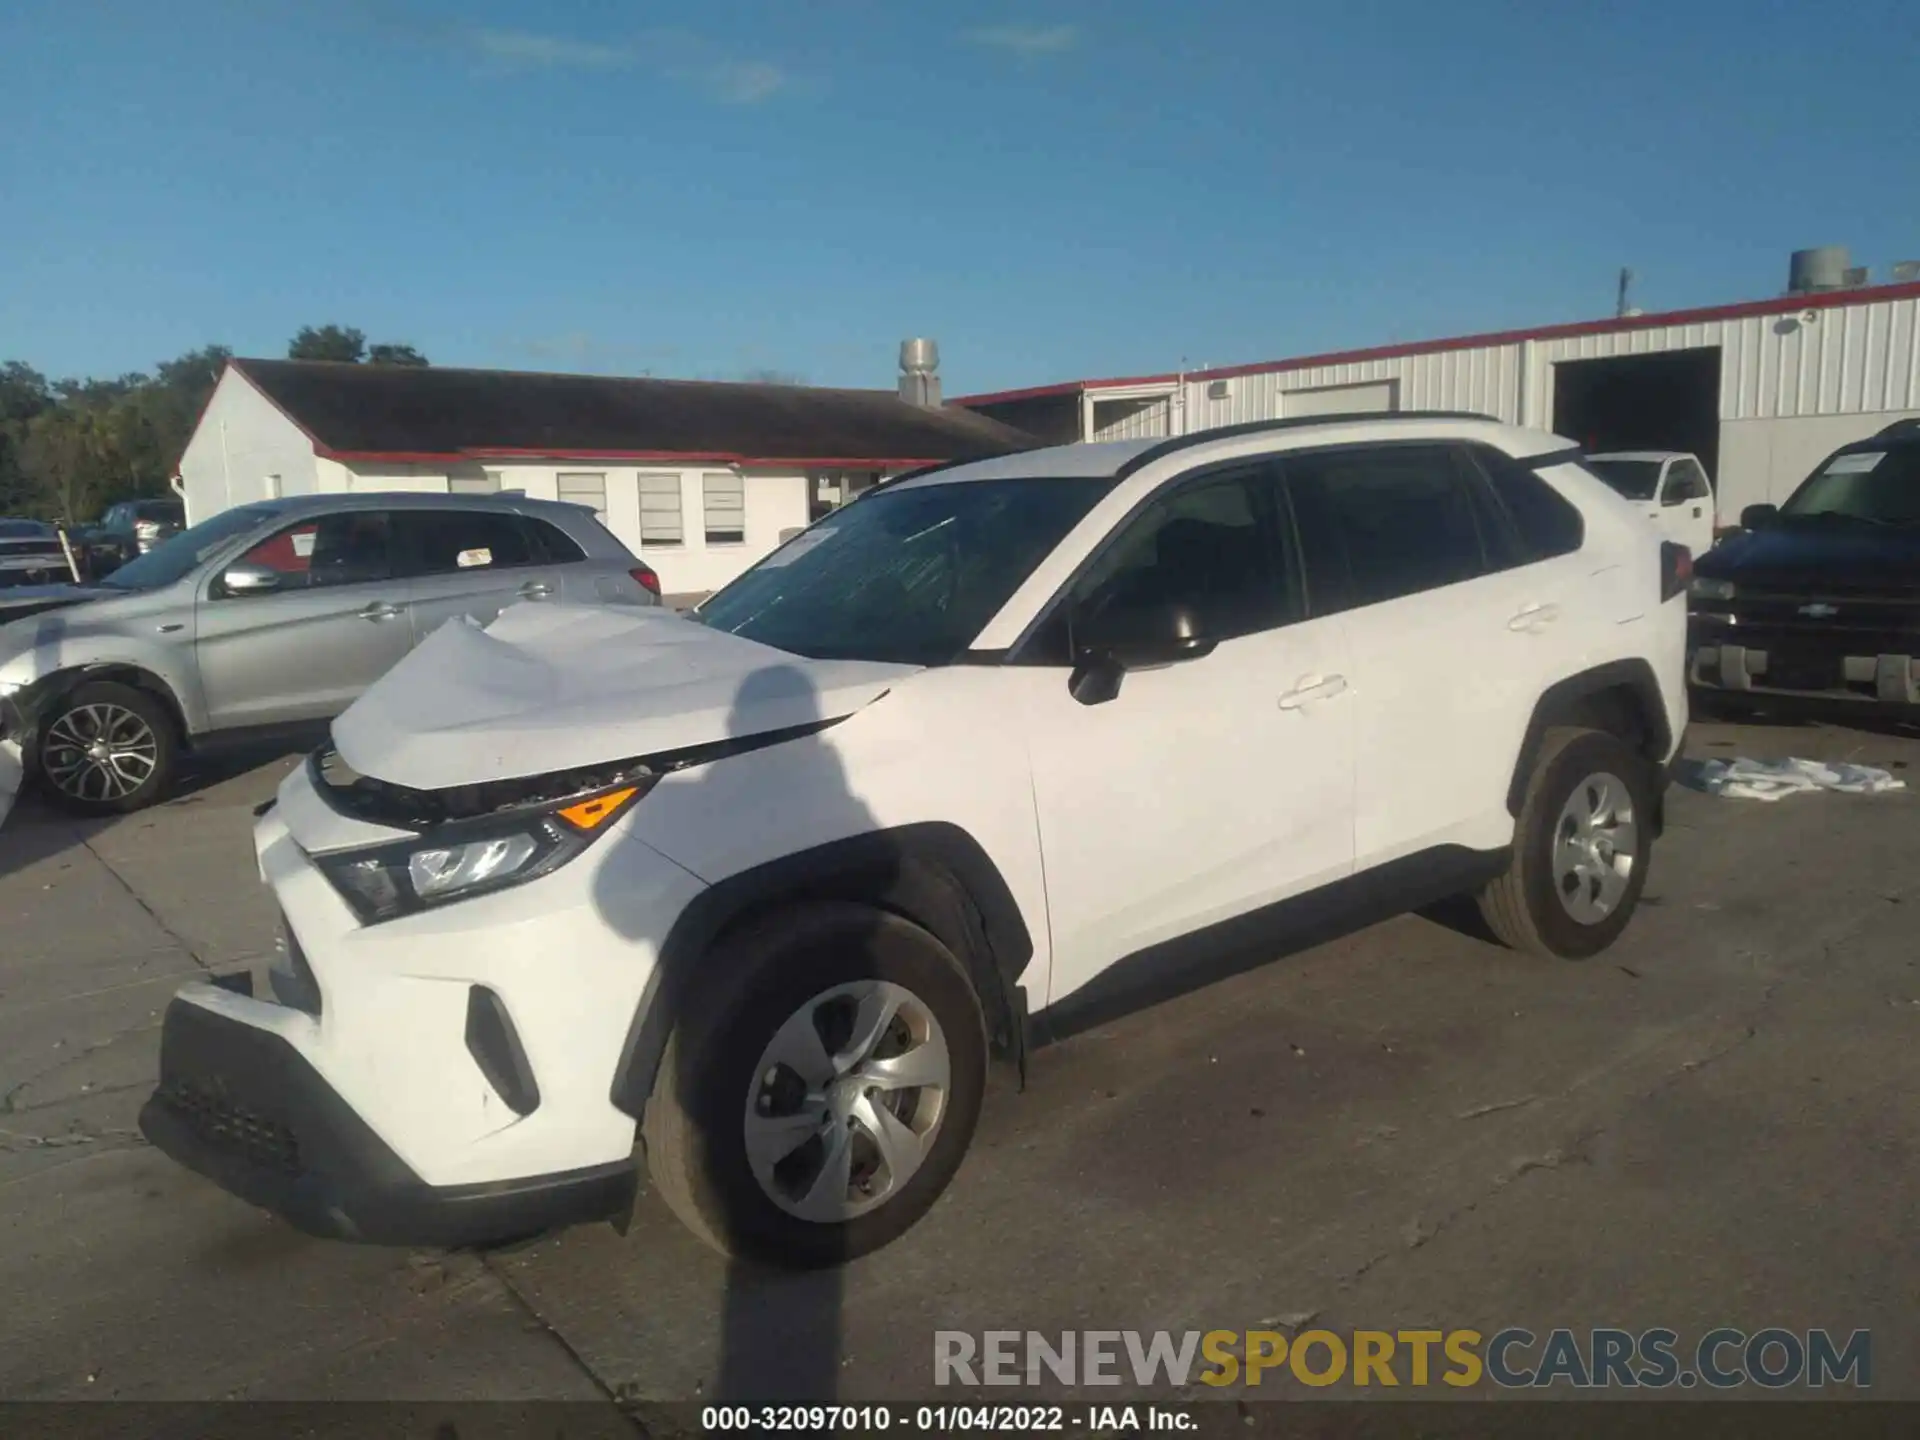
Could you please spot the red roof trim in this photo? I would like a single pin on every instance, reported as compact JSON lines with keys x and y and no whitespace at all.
{"x":439,"y":457}
{"x":1780,"y":305}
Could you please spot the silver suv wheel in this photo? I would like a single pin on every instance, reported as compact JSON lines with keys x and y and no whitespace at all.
{"x":99,"y":752}
{"x":1596,"y":844}
{"x":846,"y":1100}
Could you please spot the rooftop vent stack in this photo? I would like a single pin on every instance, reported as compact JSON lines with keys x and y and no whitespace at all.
{"x":919,"y":373}
{"x":1824,"y":268}
{"x":1906,"y":272}
{"x":1858,"y":275}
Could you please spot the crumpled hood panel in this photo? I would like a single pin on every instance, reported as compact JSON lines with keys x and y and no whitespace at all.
{"x":552,"y":687}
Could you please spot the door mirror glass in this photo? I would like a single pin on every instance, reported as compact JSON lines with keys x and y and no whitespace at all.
{"x":1756,"y":517}
{"x":244,"y":578}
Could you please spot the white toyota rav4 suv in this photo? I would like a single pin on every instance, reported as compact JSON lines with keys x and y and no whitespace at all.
{"x":990,"y":754}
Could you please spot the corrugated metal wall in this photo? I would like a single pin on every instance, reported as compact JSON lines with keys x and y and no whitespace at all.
{"x":1133,"y":418}
{"x":1850,"y":360}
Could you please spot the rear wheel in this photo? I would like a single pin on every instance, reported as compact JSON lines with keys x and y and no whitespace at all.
{"x":106,"y":749}
{"x":820,"y":1093}
{"x":1580,"y":849}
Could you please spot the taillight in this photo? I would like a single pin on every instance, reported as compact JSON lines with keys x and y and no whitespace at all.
{"x":1676,"y":569}
{"x":649,"y":581}
{"x":146,"y":529}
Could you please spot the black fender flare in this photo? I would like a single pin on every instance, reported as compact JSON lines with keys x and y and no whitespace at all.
{"x":934,"y":874}
{"x":1587,"y":697}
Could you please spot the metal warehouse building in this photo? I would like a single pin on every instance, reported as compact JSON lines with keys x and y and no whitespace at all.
{"x":1761,"y":391}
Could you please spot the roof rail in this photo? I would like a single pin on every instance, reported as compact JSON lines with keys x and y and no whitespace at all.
{"x":1297,"y":422}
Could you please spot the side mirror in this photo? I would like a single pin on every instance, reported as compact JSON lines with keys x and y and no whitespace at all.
{"x":1134,"y":639}
{"x":244,"y":579}
{"x":1756,"y":517}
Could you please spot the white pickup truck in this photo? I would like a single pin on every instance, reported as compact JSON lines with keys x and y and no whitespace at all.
{"x":1673,"y":486}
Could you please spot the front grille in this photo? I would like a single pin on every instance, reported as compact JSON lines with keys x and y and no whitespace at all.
{"x":223,"y":1122}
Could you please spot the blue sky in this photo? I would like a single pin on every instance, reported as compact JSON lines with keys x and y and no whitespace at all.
{"x":1051,"y":188}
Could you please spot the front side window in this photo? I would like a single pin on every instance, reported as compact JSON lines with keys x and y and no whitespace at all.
{"x":908,"y":574}
{"x":1209,"y":548}
{"x":174,"y":558}
{"x":450,"y":542}
{"x":1401,"y":517}
{"x":354,"y":547}
{"x":1685,"y":481}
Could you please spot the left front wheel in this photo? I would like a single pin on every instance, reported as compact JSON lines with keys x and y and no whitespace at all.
{"x":106,"y":749}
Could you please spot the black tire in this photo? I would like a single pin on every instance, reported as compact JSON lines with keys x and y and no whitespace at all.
{"x":1524,"y":907}
{"x":82,"y":798}
{"x":750,"y":984}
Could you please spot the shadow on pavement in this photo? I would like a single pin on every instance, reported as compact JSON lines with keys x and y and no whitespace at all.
{"x":723,"y":991}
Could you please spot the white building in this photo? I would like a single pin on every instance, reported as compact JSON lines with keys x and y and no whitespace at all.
{"x":700,"y":479}
{"x":1761,"y":392}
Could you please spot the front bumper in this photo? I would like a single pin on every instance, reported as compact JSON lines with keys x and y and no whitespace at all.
{"x":241,"y":1106}
{"x":1793,"y":668}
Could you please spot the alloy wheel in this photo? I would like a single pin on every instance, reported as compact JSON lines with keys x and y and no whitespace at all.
{"x":99,"y":752}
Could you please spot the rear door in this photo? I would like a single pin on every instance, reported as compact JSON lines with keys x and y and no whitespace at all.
{"x":305,"y":651}
{"x":1447,"y":640}
{"x":1685,"y":512}
{"x":473,"y":563}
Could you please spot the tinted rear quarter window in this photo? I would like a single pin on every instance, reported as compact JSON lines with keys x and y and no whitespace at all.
{"x":550,"y":544}
{"x":1546,"y":522}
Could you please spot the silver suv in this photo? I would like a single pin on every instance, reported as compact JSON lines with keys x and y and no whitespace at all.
{"x":271,"y":617}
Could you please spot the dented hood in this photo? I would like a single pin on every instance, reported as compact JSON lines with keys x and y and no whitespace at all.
{"x":558,"y":687}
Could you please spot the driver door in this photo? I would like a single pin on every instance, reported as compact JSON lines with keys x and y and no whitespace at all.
{"x":305,"y":651}
{"x":1208,"y":788}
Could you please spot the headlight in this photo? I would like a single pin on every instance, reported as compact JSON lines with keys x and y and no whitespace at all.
{"x":1703,"y":589}
{"x":10,"y":688}
{"x":467,"y":858}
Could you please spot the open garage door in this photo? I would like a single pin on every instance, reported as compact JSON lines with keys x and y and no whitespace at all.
{"x":1667,"y":401}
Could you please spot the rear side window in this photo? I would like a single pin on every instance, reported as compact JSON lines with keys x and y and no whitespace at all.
{"x":550,"y":544}
{"x":1546,"y":522}
{"x":446,"y":542}
{"x":1380,"y":522}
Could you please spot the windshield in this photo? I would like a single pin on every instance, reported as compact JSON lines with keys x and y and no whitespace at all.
{"x":1635,"y":479}
{"x":908,"y":575}
{"x":1877,"y":486}
{"x":174,"y":558}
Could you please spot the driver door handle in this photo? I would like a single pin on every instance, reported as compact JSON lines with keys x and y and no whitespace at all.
{"x":380,"y":610}
{"x":535,"y":590}
{"x":1313,"y":687}
{"x":1534,"y":618}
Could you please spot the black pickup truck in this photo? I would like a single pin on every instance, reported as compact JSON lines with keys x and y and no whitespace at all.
{"x":1814,"y":607}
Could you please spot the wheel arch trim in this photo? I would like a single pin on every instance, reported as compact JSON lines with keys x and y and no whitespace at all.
{"x":934,"y":874}
{"x":1572,"y":701}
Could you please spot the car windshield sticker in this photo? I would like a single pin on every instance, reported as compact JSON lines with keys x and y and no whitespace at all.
{"x":467,"y":559}
{"x":303,"y":543}
{"x":1856,"y":464}
{"x":798,"y":546}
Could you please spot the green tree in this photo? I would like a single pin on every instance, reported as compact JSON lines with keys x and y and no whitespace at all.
{"x":24,"y":393}
{"x":394,"y":355}
{"x":329,"y":342}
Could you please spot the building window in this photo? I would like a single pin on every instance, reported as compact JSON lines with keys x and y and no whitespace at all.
{"x":660,"y":510}
{"x":586,"y":489}
{"x":464,"y":482}
{"x":725,"y":499}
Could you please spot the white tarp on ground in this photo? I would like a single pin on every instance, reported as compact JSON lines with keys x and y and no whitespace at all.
{"x":9,"y":776}
{"x":1773,"y":779}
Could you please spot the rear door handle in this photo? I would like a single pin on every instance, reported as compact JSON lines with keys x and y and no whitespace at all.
{"x":1534,"y":617}
{"x":1315,"y":687}
{"x":380,"y":610}
{"x":535,"y":590}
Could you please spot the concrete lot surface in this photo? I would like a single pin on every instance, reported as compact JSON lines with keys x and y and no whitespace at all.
{"x":1712,"y":1124}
